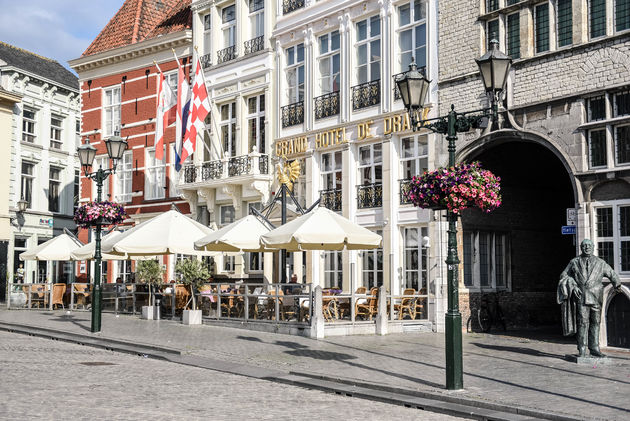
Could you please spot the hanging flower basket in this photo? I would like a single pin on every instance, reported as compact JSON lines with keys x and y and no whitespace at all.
{"x":99,"y":213}
{"x":456,"y":188}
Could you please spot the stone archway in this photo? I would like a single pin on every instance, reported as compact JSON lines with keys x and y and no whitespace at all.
{"x":615,"y":331}
{"x":520,"y":244}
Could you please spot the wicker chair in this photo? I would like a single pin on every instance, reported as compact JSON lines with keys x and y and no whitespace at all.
{"x":369,"y":309}
{"x":58,"y":290}
{"x":407,"y":305}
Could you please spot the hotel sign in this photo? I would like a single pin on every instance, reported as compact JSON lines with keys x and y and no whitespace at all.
{"x":329,"y":138}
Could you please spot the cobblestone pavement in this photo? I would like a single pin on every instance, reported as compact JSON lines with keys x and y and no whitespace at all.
{"x":45,"y":379}
{"x":510,"y":370}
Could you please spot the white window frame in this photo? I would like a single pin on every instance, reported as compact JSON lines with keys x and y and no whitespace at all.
{"x":29,"y":126}
{"x":377,"y":273}
{"x":171,"y":79}
{"x":616,"y":238}
{"x":124,"y":178}
{"x":54,"y":182}
{"x":371,"y":165}
{"x":326,"y":62}
{"x":27,"y":179}
{"x":409,"y":267}
{"x":227,"y":128}
{"x":473,"y":268}
{"x":252,"y":268}
{"x":334,"y":271}
{"x":56,"y":132}
{"x":419,"y":155}
{"x":229,"y":263}
{"x":101,"y":162}
{"x":295,"y":67}
{"x":332,"y":176}
{"x":124,"y":271}
{"x":411,"y":26}
{"x":207,"y":33}
{"x":111,"y":110}
{"x":223,"y":220}
{"x":154,"y":176}
{"x":257,"y":18}
{"x":369,"y":43}
{"x":228,"y":27}
{"x":257,"y":117}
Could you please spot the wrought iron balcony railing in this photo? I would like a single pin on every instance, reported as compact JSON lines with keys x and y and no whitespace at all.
{"x":206,"y":60}
{"x":405,"y":186}
{"x":366,"y":95}
{"x":370,"y":196}
{"x":331,"y":199}
{"x":327,"y":105}
{"x":254,"y":45}
{"x":239,"y":165}
{"x":293,"y":114}
{"x":263,"y":164}
{"x":226,"y":54}
{"x":289,"y":6}
{"x":211,"y":170}
{"x":190,"y":174}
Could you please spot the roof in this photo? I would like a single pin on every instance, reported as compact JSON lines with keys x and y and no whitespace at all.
{"x":139,"y":20}
{"x":37,"y":65}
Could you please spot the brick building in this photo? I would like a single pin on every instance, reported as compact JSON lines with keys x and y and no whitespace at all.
{"x":564,"y":143}
{"x":118,"y":82}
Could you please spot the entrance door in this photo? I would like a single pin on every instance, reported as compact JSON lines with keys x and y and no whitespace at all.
{"x":618,"y":322}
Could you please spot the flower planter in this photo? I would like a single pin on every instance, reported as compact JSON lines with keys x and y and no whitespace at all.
{"x":191,"y":317}
{"x":147,"y":312}
{"x":99,"y":213}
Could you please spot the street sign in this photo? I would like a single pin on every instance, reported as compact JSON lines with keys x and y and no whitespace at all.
{"x":568,"y":229}
{"x":571,"y":216}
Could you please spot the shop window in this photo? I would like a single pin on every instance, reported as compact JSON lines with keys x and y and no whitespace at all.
{"x":415,"y":259}
{"x":612,"y":235}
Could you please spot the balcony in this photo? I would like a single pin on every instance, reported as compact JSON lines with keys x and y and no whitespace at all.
{"x":327,"y":105}
{"x":216,"y":172}
{"x":331,"y":199}
{"x":211,"y":170}
{"x":292,"y":114}
{"x":289,"y":6}
{"x":405,"y":186}
{"x":253,"y":45}
{"x":366,"y":95}
{"x":370,"y":196}
{"x":206,"y":60}
{"x":226,"y":54}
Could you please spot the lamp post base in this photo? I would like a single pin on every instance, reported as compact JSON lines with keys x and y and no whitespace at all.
{"x":454,"y":364}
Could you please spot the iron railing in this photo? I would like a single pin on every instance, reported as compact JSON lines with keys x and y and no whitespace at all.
{"x":226,"y":54}
{"x":327,"y":105}
{"x":289,"y":6}
{"x":190,"y":174}
{"x":370,"y":196}
{"x":211,"y":170}
{"x":263,"y":164}
{"x":206,"y":60}
{"x":293,"y":114}
{"x":366,"y":95}
{"x":239,"y":165}
{"x":253,"y":45}
{"x":405,"y":186}
{"x":331,"y":199}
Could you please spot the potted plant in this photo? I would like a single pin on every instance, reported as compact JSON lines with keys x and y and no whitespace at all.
{"x":150,"y":273}
{"x":194,"y":274}
{"x":456,"y":188}
{"x":103,"y":213}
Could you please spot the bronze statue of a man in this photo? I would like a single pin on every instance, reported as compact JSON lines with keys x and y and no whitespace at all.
{"x":581,"y":293}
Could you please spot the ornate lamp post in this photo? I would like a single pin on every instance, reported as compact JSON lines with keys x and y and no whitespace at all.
{"x":494,"y":67}
{"x":116,"y":146}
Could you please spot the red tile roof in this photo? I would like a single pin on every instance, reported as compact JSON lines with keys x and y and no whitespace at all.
{"x":138,"y":20}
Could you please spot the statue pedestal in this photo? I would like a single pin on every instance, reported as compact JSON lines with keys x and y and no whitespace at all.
{"x":588,"y":360}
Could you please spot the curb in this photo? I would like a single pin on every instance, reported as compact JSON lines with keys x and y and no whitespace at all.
{"x":427,"y":401}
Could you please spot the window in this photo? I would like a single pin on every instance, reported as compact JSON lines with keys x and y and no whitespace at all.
{"x":513,"y":34}
{"x":295,"y":73}
{"x":77,"y":191}
{"x":112,"y":111}
{"x":27,"y":183}
{"x":54,"y":182}
{"x":228,"y":18}
{"x":123,"y":178}
{"x":596,"y":108}
{"x":154,"y":177}
{"x":414,"y":156}
{"x":412,"y":35}
{"x":256,"y":123}
{"x":77,"y":129}
{"x":597,"y":18}
{"x":564,"y":23}
{"x":612,"y":226}
{"x":368,"y":49}
{"x":622,"y":15}
{"x":486,"y":260}
{"x":229,"y":263}
{"x":492,"y":32}
{"x":331,"y":170}
{"x":255,"y":262}
{"x":542,"y":27}
{"x":415,"y":259}
{"x":492,"y":5}
{"x":370,"y":163}
{"x":101,"y":162}
{"x":372,"y":270}
{"x":171,"y":79}
{"x":597,"y":148}
{"x":56,"y":124}
{"x":333,"y":269}
{"x":621,"y":103}
{"x":622,"y":143}
{"x":329,"y":62}
{"x":227,"y":214}
{"x":257,"y":17}
{"x":28,"y":126}
{"x":207,"y":33}
{"x":299,"y":186}
{"x":124,"y":271}
{"x":228,"y":128}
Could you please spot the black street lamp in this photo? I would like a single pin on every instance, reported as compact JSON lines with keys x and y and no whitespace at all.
{"x":116,"y":146}
{"x":494,"y":67}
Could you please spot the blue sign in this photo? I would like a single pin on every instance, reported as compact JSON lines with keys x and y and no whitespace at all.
{"x":568,"y":230}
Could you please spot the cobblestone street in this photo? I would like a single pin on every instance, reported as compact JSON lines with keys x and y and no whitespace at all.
{"x":45,"y":379}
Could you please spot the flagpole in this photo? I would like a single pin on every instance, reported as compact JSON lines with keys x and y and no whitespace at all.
{"x":212,"y":120}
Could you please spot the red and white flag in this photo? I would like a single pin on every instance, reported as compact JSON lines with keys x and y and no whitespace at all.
{"x":183,"y":110}
{"x":200,"y":107}
{"x":165,"y":115}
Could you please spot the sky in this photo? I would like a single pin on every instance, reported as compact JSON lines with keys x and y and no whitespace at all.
{"x":58,"y":29}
